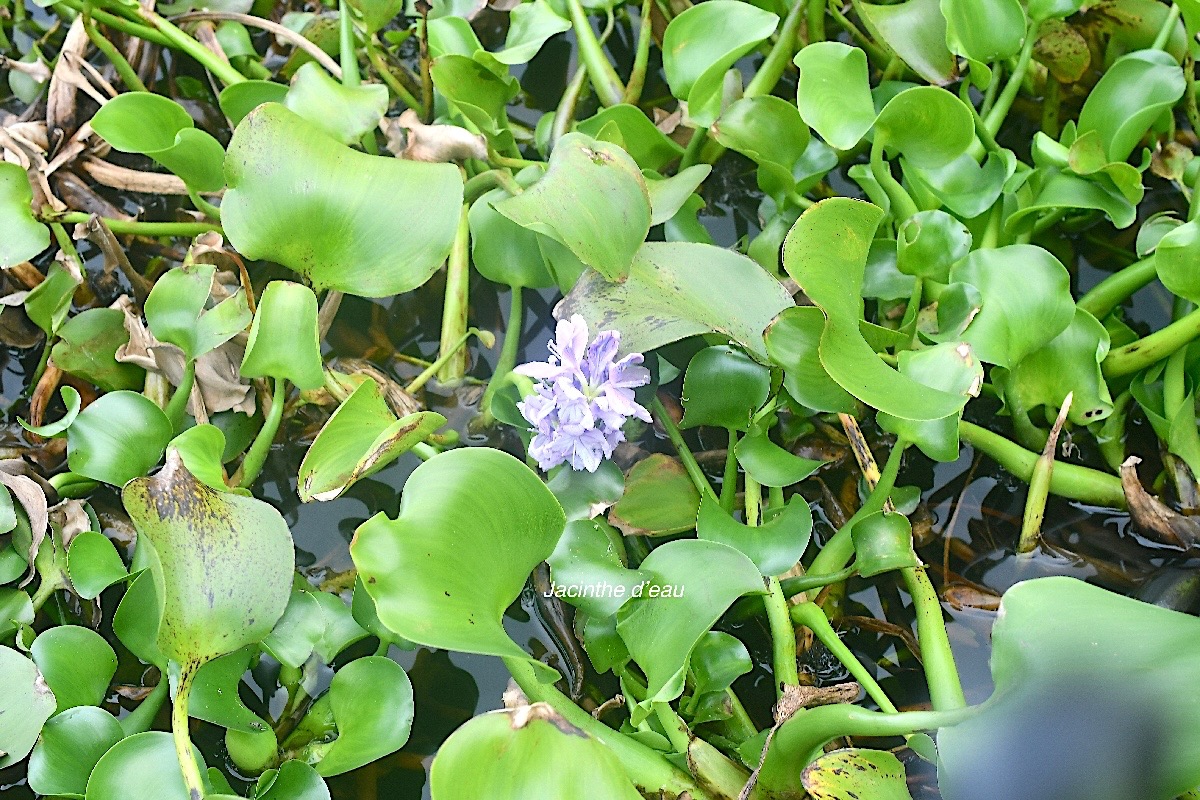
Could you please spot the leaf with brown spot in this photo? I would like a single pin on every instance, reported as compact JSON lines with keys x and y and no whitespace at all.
{"x":856,"y":774}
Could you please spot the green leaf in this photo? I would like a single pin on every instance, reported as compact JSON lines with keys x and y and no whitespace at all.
{"x":646,"y":144}
{"x":143,"y":765}
{"x":856,"y":772}
{"x":345,"y":113}
{"x":224,"y":566}
{"x":24,"y":237}
{"x":928,"y":125}
{"x":768,"y":463}
{"x":71,"y":400}
{"x":834,"y":92}
{"x":69,"y":747}
{"x":882,"y":542}
{"x":156,"y":126}
{"x":1175,"y":260}
{"x":119,"y":437}
{"x":592,"y":200}
{"x":26,"y":702}
{"x":963,"y":186}
{"x":76,"y":663}
{"x":664,"y":299}
{"x":916,"y":31}
{"x":529,"y":26}
{"x":950,"y":367}
{"x":478,"y":91}
{"x":177,"y":311}
{"x":238,"y":99}
{"x":298,"y":631}
{"x":294,"y":780}
{"x":659,"y":499}
{"x":473,"y":524}
{"x":588,"y":568}
{"x":774,"y":547}
{"x":87,"y":347}
{"x":668,"y":195}
{"x":984,"y":30}
{"x":1054,"y":189}
{"x":376,"y":14}
{"x":214,"y":696}
{"x":929,"y":243}
{"x":723,"y":387}
{"x":693,"y":584}
{"x":201,"y":448}
{"x":793,"y":341}
{"x":284,"y":340}
{"x":345,"y":220}
{"x":503,"y":756}
{"x":1056,"y":633}
{"x":502,"y":250}
{"x":361,"y":437}
{"x":717,"y":661}
{"x":769,"y":131}
{"x":134,"y":627}
{"x":93,"y":564}
{"x":372,"y":703}
{"x":49,"y":302}
{"x":584,"y":494}
{"x":1131,"y":95}
{"x":1047,"y":9}
{"x":16,"y":610}
{"x":702,"y":43}
{"x":1026,"y":301}
{"x":826,"y":253}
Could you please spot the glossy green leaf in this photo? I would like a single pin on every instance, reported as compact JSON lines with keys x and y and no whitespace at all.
{"x":361,"y":437}
{"x":49,"y":302}
{"x":768,"y":463}
{"x":834,"y":92}
{"x":592,"y":200}
{"x":929,"y":243}
{"x":1131,"y":95}
{"x":849,"y":773}
{"x":916,"y":31}
{"x":224,"y":566}
{"x":584,"y":494}
{"x":135,"y":628}
{"x":1055,"y":189}
{"x":119,"y":437}
{"x":294,"y":780}
{"x":702,"y":43}
{"x":723,"y":387}
{"x":659,"y":499}
{"x":965,"y":187}
{"x":882,"y":543}
{"x":76,"y":663}
{"x":588,"y":570}
{"x":143,"y":765}
{"x":284,"y":340}
{"x":984,"y":30}
{"x":72,"y":401}
{"x":665,"y":300}
{"x":69,"y":747}
{"x":1052,"y":631}
{"x":929,"y":126}
{"x":372,"y":703}
{"x":774,"y":547}
{"x":376,"y":14}
{"x":87,"y":348}
{"x":514,"y":755}
{"x":693,"y":584}
{"x":156,"y":126}
{"x":26,"y":702}
{"x":238,"y":99}
{"x":177,"y":313}
{"x":769,"y":131}
{"x":214,"y":696}
{"x":201,"y":448}
{"x":717,"y":661}
{"x":473,"y":524}
{"x":345,"y":113}
{"x":646,"y":144}
{"x":949,"y":367}
{"x":253,"y":752}
{"x":93,"y":564}
{"x":1175,"y":260}
{"x":529,"y":26}
{"x":24,"y":236}
{"x":16,"y":610}
{"x":1026,"y":301}
{"x":1047,"y":9}
{"x":668,"y":195}
{"x":826,"y":253}
{"x":479,"y":92}
{"x":502,"y":250}
{"x":793,"y":341}
{"x":297,"y":632}
{"x":345,"y":220}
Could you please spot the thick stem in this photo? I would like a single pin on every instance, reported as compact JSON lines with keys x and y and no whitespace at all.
{"x":812,"y":617}
{"x":347,"y":57}
{"x":1164,"y":33}
{"x":1153,"y":348}
{"x":685,"y":454}
{"x":903,"y":206}
{"x":1108,"y":293}
{"x":256,"y":456}
{"x":838,"y":551}
{"x":604,"y":78}
{"x":997,"y":113}
{"x":941,"y":673}
{"x":776,"y":62}
{"x":141,"y":718}
{"x":783,"y":639}
{"x":729,"y":481}
{"x":815,"y":19}
{"x":452,"y":352}
{"x":564,"y":114}
{"x":1068,"y":480}
{"x":179,"y":731}
{"x":177,"y":407}
{"x":454,"y":309}
{"x":647,"y":768}
{"x":1039,"y":485}
{"x":641,"y":58}
{"x":135,"y":227}
{"x":508,"y":353}
{"x":181,"y":41}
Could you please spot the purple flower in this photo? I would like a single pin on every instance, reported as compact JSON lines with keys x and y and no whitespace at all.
{"x":582,"y":398}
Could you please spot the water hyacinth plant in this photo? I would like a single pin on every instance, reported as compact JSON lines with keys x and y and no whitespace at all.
{"x":841,"y":441}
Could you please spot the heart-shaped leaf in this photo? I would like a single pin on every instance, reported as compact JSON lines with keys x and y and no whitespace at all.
{"x":768,"y":463}
{"x":723,"y":387}
{"x":343,"y":112}
{"x":928,"y":125}
{"x":143,"y":765}
{"x":284,"y":339}
{"x":984,"y":30}
{"x":659,"y":499}
{"x":530,"y":25}
{"x":793,"y":341}
{"x":302,"y":199}
{"x":1130,"y":96}
{"x":26,"y":702}
{"x":769,"y":131}
{"x":645,"y":143}
{"x":177,"y":312}
{"x":294,"y":780}
{"x":1175,"y":260}
{"x":76,"y":663}
{"x":214,"y":696}
{"x":950,"y":367}
{"x":916,"y":31}
{"x":24,"y":236}
{"x":87,"y":347}
{"x":473,"y":524}
{"x":584,"y":494}
{"x":371,"y":700}
{"x":834,"y":92}
{"x":774,"y":547}
{"x":68,"y":749}
{"x":842,"y":774}
{"x":588,"y":568}
{"x":119,"y":437}
{"x":93,"y":564}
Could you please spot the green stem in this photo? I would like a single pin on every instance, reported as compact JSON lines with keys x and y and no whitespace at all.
{"x":941,"y":673}
{"x":1153,"y":348}
{"x":564,"y":114}
{"x":203,"y":206}
{"x":838,"y":551}
{"x":192,"y":779}
{"x":805,"y":583}
{"x":781,"y":54}
{"x":118,"y":23}
{"x":454,"y":308}
{"x":997,"y":113}
{"x":729,"y":480}
{"x":45,"y":591}
{"x":141,"y":718}
{"x":816,"y":19}
{"x":395,"y":84}
{"x":205,"y":57}
{"x":672,"y":725}
{"x":685,"y":455}
{"x":783,"y":638}
{"x":508,"y":353}
{"x":256,"y":456}
{"x":135,"y":227}
{"x":347,"y":57}
{"x":177,"y":406}
{"x":1164,"y":33}
{"x":128,"y":75}
{"x":691,"y":154}
{"x":641,"y":58}
{"x":903,"y":206}
{"x":647,"y":768}
{"x":1068,"y":480}
{"x":1108,"y":293}
{"x":812,"y":617}
{"x":442,"y":360}
{"x":604,"y":78}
